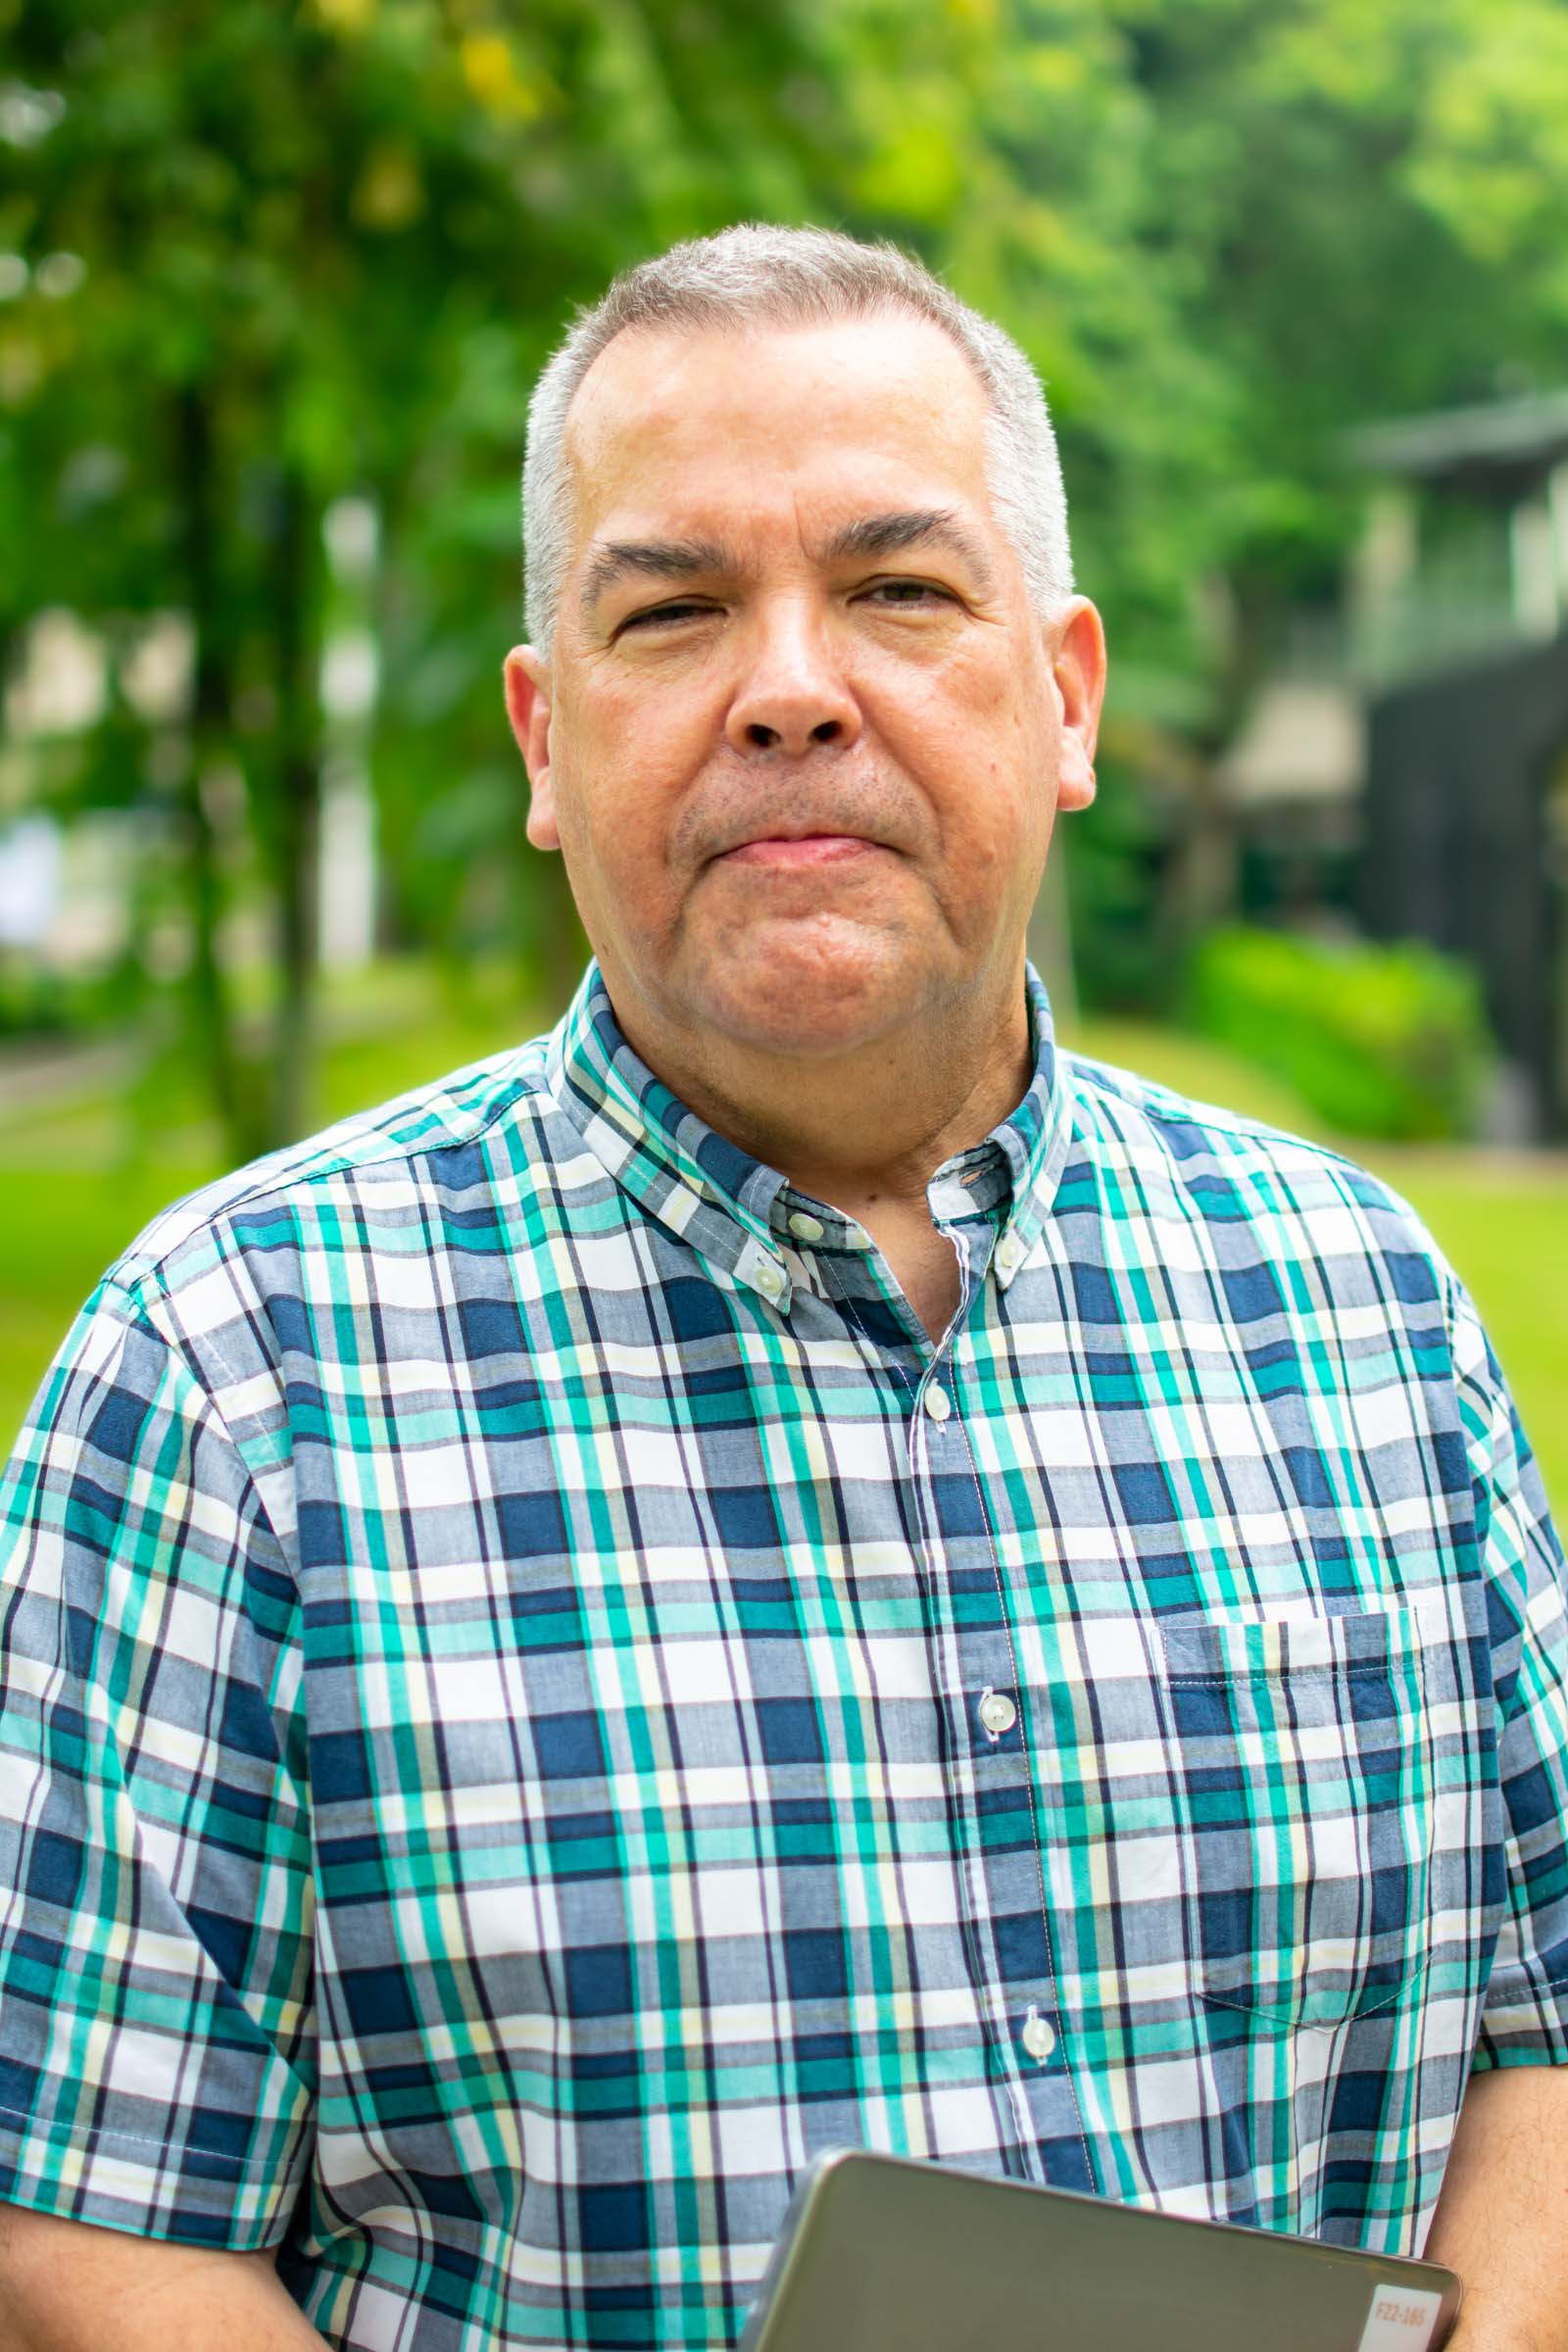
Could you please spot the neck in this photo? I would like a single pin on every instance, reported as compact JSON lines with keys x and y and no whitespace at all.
{"x":868,"y":1126}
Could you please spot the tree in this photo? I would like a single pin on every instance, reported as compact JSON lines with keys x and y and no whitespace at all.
{"x":320,"y":250}
{"x":280,"y":255}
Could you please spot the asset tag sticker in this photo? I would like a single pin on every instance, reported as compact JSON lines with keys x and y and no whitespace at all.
{"x":1402,"y":2320}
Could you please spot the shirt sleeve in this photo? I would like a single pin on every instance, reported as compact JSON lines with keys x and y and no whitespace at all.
{"x":157,"y":2042}
{"x":1525,"y":2015}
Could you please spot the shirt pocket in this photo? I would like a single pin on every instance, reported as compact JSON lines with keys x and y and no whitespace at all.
{"x":1305,"y":1798}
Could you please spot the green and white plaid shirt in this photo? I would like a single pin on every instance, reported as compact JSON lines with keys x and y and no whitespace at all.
{"x":535,"y":1699}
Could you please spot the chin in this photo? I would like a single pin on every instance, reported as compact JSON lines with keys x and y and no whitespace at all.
{"x":812,"y":999}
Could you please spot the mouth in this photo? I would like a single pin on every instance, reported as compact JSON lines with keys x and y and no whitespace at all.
{"x":800,"y":851}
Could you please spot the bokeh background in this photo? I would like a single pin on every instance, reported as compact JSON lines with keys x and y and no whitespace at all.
{"x":275,"y":276}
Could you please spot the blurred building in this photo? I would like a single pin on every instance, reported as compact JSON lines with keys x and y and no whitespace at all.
{"x":1406,"y":759}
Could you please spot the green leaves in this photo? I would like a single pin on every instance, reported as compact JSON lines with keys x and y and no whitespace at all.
{"x":1224,"y":230}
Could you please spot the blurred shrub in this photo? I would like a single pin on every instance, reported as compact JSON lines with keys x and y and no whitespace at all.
{"x":1381,"y":1041}
{"x":1114,"y":853}
{"x":38,"y":1002}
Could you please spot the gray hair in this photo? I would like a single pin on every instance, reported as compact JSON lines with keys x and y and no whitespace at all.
{"x":759,"y":276}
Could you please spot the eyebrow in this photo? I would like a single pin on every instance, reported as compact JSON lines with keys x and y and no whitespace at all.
{"x":871,"y":535}
{"x":653,"y":560}
{"x":914,"y":526}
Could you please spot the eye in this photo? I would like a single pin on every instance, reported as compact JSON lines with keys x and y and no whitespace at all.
{"x":907,"y":594}
{"x":660,"y":616}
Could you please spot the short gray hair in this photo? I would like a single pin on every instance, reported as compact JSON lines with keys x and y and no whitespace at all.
{"x":756,"y":275}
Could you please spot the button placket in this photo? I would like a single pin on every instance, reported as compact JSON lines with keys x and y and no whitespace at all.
{"x":980,"y":1681}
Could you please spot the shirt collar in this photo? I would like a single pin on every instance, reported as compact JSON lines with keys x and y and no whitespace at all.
{"x":734,"y":1209}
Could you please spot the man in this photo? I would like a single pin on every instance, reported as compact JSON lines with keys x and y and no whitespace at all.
{"x":790,"y":1564}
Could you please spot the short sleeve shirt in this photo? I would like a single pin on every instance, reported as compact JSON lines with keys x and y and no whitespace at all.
{"x":536,"y":1698}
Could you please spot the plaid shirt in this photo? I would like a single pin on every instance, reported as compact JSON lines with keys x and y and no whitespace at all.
{"x":536,"y":1699}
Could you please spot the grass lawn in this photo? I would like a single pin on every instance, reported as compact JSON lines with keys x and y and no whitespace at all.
{"x":70,"y":1197}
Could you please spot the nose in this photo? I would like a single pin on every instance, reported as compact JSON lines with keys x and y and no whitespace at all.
{"x":792,"y":695}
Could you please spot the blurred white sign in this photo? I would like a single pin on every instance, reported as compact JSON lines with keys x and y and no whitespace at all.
{"x":29,"y":881}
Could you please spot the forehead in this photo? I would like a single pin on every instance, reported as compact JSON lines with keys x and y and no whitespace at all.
{"x":726,"y":432}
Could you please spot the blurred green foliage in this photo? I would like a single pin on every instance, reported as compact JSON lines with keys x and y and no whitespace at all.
{"x":1376,"y":1041}
{"x":40,"y":1001}
{"x":263,"y":257}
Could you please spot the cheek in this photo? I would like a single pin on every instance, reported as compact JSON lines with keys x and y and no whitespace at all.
{"x":987,"y":687}
{"x":617,"y":802}
{"x":632,"y":743}
{"x":977,"y":735}
{"x":610,"y":837}
{"x":635,"y":740}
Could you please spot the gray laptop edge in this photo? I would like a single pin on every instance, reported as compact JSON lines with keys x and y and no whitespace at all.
{"x":879,"y":2254}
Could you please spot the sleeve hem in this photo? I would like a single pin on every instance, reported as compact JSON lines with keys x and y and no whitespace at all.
{"x":1494,"y":2058}
{"x":229,"y":2203}
{"x":93,"y":2136}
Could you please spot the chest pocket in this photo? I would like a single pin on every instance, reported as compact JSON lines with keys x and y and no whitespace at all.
{"x":1306,"y":1796}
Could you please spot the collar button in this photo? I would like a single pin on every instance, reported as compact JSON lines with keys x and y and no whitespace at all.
{"x":1010,"y":1253}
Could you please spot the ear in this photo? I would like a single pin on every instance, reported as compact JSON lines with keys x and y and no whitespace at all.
{"x":1078,"y":672}
{"x":528,"y":684}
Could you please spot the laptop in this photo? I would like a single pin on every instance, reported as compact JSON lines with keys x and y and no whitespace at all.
{"x":880,"y":2254}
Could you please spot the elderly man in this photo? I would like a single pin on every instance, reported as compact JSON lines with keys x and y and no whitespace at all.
{"x":791,"y":1563}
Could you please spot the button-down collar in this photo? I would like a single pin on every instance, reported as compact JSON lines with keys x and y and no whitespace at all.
{"x":744,"y":1217}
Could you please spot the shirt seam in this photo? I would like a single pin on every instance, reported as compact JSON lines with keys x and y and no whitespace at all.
{"x":173,"y":1340}
{"x":1187,"y":1111}
{"x":345,"y":1165}
{"x":77,"y":2134}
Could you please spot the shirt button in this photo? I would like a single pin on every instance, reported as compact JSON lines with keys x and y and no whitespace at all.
{"x":804,"y":1228}
{"x":998,"y":1712}
{"x":771,"y":1279}
{"x":938,"y":1403}
{"x":1039,"y":2035}
{"x":1010,"y":1253}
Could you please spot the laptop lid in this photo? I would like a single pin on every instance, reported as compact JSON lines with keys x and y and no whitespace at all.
{"x":881,"y":2254}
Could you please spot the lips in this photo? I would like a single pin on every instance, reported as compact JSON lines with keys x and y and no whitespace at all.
{"x":794,"y":853}
{"x":783,"y":823}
